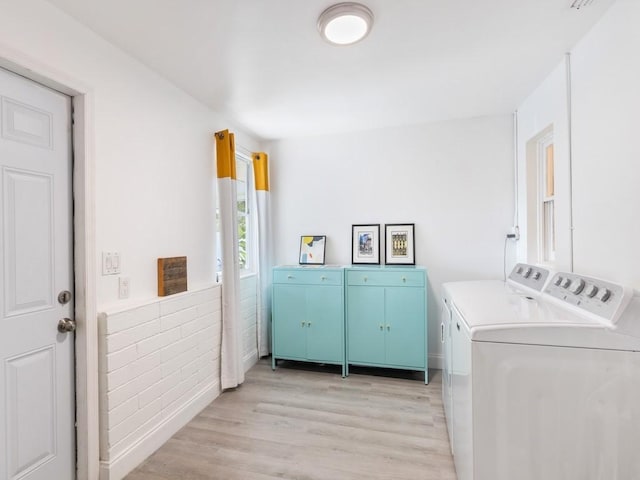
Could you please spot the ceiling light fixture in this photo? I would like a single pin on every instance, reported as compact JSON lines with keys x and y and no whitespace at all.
{"x":345,"y":23}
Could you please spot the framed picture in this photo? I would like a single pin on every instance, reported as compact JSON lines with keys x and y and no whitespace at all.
{"x":365,"y":244}
{"x":312,"y":249}
{"x":400,"y":244}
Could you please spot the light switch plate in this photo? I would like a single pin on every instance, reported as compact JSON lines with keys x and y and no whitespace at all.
{"x":110,"y":263}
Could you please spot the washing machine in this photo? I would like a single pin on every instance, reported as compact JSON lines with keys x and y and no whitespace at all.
{"x":542,"y":377}
{"x":524,"y":284}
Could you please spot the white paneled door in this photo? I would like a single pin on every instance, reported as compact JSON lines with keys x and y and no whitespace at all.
{"x":37,"y":399}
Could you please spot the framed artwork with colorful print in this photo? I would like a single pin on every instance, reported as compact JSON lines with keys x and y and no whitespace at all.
{"x":400,"y":244}
{"x":312,"y":248}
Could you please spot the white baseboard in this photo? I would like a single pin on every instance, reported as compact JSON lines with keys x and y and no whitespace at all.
{"x":117,"y":468}
{"x":250,"y":360}
{"x":435,"y":361}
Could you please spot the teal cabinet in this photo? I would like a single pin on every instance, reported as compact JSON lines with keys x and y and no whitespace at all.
{"x":308,"y":315}
{"x":386,"y":317}
{"x":366,"y":321}
{"x":289,"y":319}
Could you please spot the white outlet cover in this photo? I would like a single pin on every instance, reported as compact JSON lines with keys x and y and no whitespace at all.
{"x":123,"y":287}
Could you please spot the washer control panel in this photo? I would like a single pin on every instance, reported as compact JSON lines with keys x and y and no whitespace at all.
{"x":529,"y":275}
{"x":596,"y":296}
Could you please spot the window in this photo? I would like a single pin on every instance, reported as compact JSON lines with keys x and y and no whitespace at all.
{"x":541,"y":199}
{"x":547,"y":202}
{"x":243,"y":169}
{"x":244,"y":174}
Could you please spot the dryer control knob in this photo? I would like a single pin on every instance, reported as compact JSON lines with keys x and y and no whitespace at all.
{"x":566,"y":282}
{"x":578,"y":287}
{"x":519,"y":270}
{"x":591,"y":291}
{"x":527,"y":272}
{"x":605,"y":294}
{"x":557,"y":281}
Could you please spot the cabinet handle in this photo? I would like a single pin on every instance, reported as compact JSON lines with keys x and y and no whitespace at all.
{"x":365,"y":279}
{"x":323,"y":278}
{"x":442,"y":333}
{"x":302,"y":323}
{"x":308,"y":324}
{"x":289,"y":276}
{"x":388,"y":328}
{"x":458,"y":326}
{"x":404,"y":279}
{"x":381,"y":327}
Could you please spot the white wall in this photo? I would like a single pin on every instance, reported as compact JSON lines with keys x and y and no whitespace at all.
{"x":606,"y":147}
{"x":153,"y":150}
{"x":454,"y":180}
{"x":605,"y":74}
{"x":154,"y":196}
{"x":546,"y":106}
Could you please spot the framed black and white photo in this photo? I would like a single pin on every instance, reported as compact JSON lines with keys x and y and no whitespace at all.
{"x":399,"y":244}
{"x":365,"y":244}
{"x":312,"y":248}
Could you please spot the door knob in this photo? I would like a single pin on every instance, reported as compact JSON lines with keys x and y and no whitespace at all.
{"x":66,"y":325}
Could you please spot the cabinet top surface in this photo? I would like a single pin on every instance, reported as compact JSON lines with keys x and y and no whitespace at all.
{"x":376,"y":268}
{"x":387,"y":268}
{"x":309,"y":267}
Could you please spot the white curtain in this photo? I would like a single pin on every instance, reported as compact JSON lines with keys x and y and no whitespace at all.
{"x":231,"y":366}
{"x":263,"y":250}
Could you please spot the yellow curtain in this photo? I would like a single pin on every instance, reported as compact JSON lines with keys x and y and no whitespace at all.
{"x":231,"y":365}
{"x":263,"y":263}
{"x":225,"y":154}
{"x":261,"y":170}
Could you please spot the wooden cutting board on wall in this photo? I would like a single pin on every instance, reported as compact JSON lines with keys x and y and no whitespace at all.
{"x":172,"y":275}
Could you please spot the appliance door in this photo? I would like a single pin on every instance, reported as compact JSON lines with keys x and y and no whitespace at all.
{"x":553,"y":413}
{"x":445,"y":338}
{"x":461,"y":386}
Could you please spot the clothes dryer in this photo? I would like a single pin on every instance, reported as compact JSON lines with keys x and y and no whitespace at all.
{"x":544,"y":384}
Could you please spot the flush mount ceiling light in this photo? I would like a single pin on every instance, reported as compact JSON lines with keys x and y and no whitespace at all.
{"x":345,"y":23}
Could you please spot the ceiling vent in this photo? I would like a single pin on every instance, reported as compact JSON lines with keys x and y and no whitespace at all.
{"x":578,"y":4}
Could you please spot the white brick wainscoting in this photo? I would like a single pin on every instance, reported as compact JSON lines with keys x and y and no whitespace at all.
{"x":248,"y":316}
{"x":159,"y":367}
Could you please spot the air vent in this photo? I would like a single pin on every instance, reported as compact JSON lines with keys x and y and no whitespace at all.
{"x":578,"y":4}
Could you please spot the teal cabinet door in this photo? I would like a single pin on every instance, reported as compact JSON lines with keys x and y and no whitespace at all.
{"x":365,"y":314}
{"x":405,"y":323}
{"x":308,"y":315}
{"x":325,"y":324}
{"x":387,"y":317}
{"x":289,"y":324}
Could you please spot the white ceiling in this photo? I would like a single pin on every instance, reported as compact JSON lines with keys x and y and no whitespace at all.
{"x":263,"y":63}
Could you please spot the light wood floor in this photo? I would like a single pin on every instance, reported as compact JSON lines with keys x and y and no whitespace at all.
{"x":305,"y":422}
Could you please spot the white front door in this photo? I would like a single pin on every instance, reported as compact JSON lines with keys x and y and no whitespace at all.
{"x":37,"y":398}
